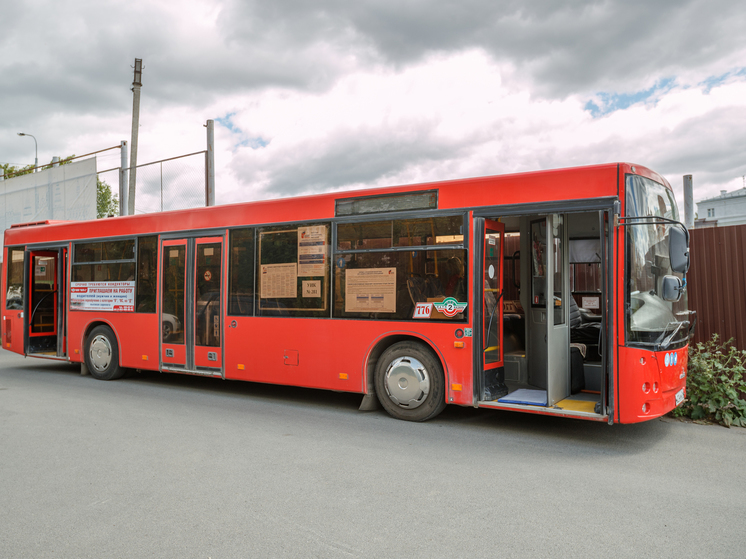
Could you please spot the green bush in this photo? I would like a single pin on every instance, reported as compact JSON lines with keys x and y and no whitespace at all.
{"x":716,"y":383}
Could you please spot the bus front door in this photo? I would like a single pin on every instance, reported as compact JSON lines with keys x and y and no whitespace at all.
{"x":191,"y":305}
{"x":492,"y":311}
{"x":549,"y":335}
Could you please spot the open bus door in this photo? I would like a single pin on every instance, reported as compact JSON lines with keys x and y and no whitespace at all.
{"x":44,"y":304}
{"x":192,"y":305}
{"x":548,"y":329}
{"x":492,"y":358}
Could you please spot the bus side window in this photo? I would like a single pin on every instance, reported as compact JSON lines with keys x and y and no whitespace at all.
{"x":14,"y":295}
{"x":293,"y":270}
{"x":107,"y":261}
{"x":425,"y":265}
{"x":147,"y":262}
{"x":241,"y":273}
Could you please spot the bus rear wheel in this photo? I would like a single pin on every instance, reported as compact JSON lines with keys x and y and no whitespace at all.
{"x":410,"y":383}
{"x":102,"y":354}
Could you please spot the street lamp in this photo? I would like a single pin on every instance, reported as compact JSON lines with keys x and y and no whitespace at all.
{"x":36,"y":150}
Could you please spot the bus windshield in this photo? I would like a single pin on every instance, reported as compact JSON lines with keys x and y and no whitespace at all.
{"x":650,"y":320}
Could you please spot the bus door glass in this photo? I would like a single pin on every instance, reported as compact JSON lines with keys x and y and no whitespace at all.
{"x":173,"y":303}
{"x":208,"y":304}
{"x":558,"y":292}
{"x":191,"y":305}
{"x":62,"y":302}
{"x":492,"y":307}
{"x":549,"y":332}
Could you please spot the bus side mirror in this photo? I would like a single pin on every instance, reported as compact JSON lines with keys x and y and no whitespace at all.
{"x":672,"y":288}
{"x":678,"y":249}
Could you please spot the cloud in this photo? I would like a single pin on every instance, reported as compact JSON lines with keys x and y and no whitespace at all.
{"x":561,"y":48}
{"x":455,"y":116}
{"x":334,"y":94}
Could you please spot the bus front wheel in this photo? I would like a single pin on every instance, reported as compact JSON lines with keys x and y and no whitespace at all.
{"x":410,"y":383}
{"x":102,"y":354}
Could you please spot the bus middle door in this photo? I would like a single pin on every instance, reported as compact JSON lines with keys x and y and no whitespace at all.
{"x":191,"y":305}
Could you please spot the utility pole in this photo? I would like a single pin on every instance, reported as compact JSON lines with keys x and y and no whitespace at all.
{"x":210,"y":164}
{"x":136,"y":85}
{"x":688,"y":202}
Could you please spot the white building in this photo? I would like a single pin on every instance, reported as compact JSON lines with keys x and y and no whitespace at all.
{"x":727,"y":209}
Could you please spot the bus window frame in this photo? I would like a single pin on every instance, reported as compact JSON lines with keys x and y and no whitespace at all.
{"x":72,"y":263}
{"x":289,"y":227}
{"x":403,"y":216}
{"x":6,"y":279}
{"x":154,"y":270}
{"x":229,"y":271}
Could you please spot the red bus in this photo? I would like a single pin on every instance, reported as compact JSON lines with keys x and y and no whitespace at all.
{"x":556,"y":292}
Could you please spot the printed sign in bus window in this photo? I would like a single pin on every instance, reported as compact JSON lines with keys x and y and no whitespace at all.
{"x":312,"y":251}
{"x":370,"y":290}
{"x":279,"y":281}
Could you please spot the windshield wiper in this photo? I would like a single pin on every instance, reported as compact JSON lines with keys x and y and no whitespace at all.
{"x":667,"y":342}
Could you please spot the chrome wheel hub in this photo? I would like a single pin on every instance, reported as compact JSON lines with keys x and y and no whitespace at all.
{"x":407,"y":382}
{"x":100,"y":353}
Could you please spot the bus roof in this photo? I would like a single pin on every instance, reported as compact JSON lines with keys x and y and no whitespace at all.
{"x":519,"y":188}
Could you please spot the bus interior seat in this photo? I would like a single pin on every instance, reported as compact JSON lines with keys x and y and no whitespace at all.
{"x":514,"y":333}
{"x":423,"y":288}
{"x":585,"y":329}
{"x":417,"y":287}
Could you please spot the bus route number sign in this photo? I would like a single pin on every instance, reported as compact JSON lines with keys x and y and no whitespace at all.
{"x":423,"y":310}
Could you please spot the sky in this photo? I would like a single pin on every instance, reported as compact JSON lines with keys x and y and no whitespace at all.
{"x":331,"y":95}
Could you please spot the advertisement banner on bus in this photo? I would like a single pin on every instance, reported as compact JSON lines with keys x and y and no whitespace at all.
{"x":117,"y":296}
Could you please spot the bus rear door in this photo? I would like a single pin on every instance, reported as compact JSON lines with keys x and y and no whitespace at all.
{"x":192,"y":305}
{"x":44,"y":305}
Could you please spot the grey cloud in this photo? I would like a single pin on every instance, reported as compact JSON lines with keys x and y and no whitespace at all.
{"x":78,"y":58}
{"x":350,"y":157}
{"x":75,"y":62}
{"x":566,"y":47}
{"x":709,"y":147}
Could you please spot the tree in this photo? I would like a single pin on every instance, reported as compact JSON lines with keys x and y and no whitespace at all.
{"x":9,"y":169}
{"x":106,"y":203}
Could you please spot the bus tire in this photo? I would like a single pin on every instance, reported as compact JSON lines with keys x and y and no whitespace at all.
{"x":102,"y":354}
{"x":409,"y":382}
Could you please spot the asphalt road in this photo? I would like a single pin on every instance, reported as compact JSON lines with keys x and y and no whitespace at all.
{"x":173,"y":466}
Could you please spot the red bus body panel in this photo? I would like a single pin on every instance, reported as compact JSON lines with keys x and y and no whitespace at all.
{"x":332,"y":353}
{"x":644,"y":379}
{"x":140,"y":330}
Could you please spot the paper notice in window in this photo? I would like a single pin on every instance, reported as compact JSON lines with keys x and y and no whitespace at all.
{"x":590,"y":303}
{"x":370,"y":290}
{"x":312,"y":288}
{"x":311,"y":251}
{"x":279,"y":281}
